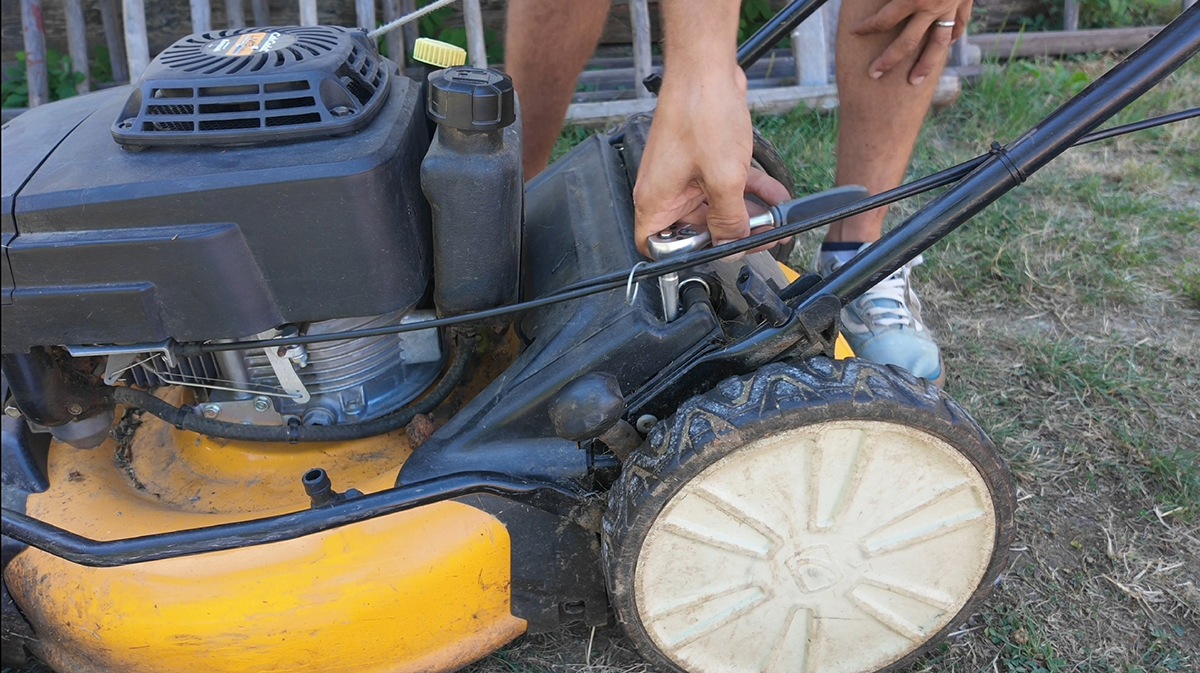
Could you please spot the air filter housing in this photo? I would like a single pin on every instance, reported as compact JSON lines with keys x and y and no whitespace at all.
{"x":254,"y":85}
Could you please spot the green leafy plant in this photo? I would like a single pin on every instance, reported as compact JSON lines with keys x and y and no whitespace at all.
{"x":1122,"y":13}
{"x":100,"y":65}
{"x":15,"y":92}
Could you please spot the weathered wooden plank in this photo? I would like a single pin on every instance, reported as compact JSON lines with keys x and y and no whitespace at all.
{"x":308,"y":12}
{"x":114,"y":38}
{"x":235,"y":14}
{"x":137,"y":45}
{"x":1070,"y":15}
{"x":639,"y":18}
{"x":201,"y":16}
{"x":779,"y":100}
{"x":810,"y":52}
{"x":473,"y":22}
{"x":364,"y":13}
{"x":35,"y":52}
{"x":394,"y":40}
{"x":1058,"y":43}
{"x":262,"y":12}
{"x":77,"y":45}
{"x":410,"y":29}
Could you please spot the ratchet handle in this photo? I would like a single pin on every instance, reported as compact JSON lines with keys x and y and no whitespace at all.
{"x":680,"y":238}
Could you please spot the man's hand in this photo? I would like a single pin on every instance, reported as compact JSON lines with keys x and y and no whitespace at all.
{"x":698,"y":153}
{"x":919,"y":19}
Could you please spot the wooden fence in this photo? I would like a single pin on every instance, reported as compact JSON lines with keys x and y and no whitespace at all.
{"x":783,"y":80}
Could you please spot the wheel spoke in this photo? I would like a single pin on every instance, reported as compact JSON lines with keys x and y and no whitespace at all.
{"x":790,"y":650}
{"x":740,"y":515}
{"x":886,"y":617}
{"x":830,"y":498}
{"x":713,"y":539}
{"x":880,"y":541}
{"x":722,"y":617}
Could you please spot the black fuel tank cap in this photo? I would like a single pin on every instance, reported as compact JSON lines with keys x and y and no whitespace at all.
{"x":471,"y":99}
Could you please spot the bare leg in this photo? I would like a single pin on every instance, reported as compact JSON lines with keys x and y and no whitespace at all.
{"x":879,"y":118}
{"x":547,"y":43}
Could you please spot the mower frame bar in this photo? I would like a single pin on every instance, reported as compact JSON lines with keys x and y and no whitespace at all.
{"x":109,"y":553}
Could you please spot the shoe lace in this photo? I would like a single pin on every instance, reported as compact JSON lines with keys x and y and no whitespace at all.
{"x":892,"y":301}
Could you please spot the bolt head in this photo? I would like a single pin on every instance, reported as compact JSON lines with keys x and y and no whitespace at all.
{"x":210,"y":410}
{"x":12,"y":411}
{"x":261,"y":404}
{"x":74,"y":409}
{"x":645,"y":423}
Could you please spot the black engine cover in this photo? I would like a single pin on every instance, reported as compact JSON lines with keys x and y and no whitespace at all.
{"x":107,"y":245}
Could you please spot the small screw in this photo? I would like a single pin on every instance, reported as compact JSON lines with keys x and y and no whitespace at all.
{"x":74,"y":409}
{"x":211,"y":410}
{"x":645,"y":423}
{"x":341,"y":111}
{"x":126,"y":124}
{"x":12,"y":411}
{"x":261,"y":404}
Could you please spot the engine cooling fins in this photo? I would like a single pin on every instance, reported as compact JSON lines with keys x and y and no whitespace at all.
{"x":256,"y":85}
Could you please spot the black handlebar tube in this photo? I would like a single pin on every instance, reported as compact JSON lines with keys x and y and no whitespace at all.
{"x":109,"y":553}
{"x":780,"y":26}
{"x":1009,"y":166}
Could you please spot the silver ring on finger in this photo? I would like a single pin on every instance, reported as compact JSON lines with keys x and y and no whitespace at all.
{"x":948,"y":23}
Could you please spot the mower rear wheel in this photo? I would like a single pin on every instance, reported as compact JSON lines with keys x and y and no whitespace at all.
{"x":816,"y":516}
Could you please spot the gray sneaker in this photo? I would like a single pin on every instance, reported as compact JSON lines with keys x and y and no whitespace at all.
{"x":884,"y":325}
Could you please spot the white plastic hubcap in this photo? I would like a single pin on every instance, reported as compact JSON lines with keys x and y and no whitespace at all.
{"x":836,"y":547}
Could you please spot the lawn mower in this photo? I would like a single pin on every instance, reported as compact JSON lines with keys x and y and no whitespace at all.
{"x":299,"y":375}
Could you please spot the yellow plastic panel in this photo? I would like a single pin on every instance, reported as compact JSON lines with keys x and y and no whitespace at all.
{"x":841,"y":349}
{"x":423,"y":590}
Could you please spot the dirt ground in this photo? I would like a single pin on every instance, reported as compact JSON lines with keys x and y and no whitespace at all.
{"x":1069,"y":318}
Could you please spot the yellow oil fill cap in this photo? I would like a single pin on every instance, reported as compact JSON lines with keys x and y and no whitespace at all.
{"x":437,"y":53}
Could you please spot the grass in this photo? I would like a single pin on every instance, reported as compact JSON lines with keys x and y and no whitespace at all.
{"x":1069,"y":316}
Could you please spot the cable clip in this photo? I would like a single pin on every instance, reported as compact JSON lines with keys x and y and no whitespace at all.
{"x":1012,"y":168}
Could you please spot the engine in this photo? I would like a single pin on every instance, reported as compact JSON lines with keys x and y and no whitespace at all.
{"x":254,"y":183}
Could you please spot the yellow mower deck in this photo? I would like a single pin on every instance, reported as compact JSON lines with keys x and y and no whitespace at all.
{"x":421,"y":590}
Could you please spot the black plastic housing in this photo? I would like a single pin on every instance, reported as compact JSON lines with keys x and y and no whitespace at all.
{"x":249,"y":85}
{"x":474,"y":185}
{"x":108,"y":245}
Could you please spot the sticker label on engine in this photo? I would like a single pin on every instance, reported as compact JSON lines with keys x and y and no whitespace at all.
{"x":249,"y":44}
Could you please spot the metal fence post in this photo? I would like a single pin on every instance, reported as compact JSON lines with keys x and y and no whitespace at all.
{"x":137,"y":44}
{"x":308,"y":12}
{"x":77,"y":44}
{"x":643,"y":63}
{"x":201,"y":16}
{"x":473,"y":20}
{"x":35,"y":52}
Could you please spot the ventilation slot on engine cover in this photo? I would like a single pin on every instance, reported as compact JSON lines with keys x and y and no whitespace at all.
{"x":254,"y":85}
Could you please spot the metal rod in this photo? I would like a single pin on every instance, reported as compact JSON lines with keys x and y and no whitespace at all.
{"x":780,"y":26}
{"x":1009,"y":166}
{"x":109,"y":553}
